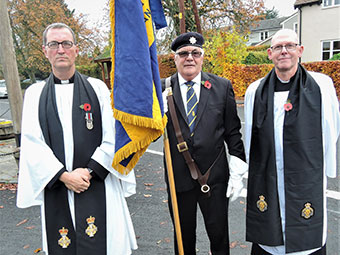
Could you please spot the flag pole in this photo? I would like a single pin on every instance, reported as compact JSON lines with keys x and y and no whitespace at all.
{"x":173,"y":192}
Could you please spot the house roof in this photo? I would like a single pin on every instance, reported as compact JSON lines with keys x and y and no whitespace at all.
{"x":300,"y":3}
{"x":268,"y":24}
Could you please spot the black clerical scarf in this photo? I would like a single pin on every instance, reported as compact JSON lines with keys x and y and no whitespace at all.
{"x":89,"y":203}
{"x":303,"y":167}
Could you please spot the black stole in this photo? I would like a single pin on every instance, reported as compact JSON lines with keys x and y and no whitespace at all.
{"x":303,"y":166}
{"x":89,"y":203}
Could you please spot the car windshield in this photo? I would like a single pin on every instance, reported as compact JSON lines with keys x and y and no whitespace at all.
{"x":2,"y":83}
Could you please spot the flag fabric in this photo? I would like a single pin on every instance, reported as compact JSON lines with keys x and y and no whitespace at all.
{"x":157,"y":13}
{"x":136,"y":87}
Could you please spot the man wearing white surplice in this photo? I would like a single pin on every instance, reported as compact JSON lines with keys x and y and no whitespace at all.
{"x":67,"y":147}
{"x":292,"y":126}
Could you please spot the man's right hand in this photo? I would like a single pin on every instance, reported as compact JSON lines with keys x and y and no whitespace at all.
{"x":78,"y":180}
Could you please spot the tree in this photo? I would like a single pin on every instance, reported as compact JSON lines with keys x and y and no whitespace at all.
{"x":28,"y":20}
{"x":223,"y":48}
{"x":270,"y":14}
{"x":214,"y":14}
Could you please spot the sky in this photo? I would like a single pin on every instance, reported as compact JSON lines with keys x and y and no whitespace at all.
{"x":285,"y":7}
{"x":94,"y":9}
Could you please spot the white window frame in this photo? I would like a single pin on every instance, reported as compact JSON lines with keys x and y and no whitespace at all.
{"x":330,"y":3}
{"x":265,"y":35}
{"x":296,"y":27}
{"x":331,"y":48}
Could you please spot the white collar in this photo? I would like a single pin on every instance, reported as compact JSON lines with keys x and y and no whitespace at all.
{"x":196,"y":80}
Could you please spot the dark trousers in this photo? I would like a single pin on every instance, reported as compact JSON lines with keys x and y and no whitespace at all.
{"x":257,"y":250}
{"x":215,"y":214}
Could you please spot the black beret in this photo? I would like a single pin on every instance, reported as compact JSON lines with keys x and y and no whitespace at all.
{"x":187,"y":39}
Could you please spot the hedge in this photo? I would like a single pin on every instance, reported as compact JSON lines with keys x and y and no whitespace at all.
{"x":242,"y":75}
{"x":257,"y":57}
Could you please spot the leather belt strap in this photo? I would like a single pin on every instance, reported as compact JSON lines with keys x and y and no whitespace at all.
{"x":183,"y":147}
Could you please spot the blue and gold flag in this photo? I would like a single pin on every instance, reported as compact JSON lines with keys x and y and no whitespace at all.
{"x":137,"y":94}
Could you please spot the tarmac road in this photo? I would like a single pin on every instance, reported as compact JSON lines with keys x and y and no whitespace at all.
{"x":21,"y":228}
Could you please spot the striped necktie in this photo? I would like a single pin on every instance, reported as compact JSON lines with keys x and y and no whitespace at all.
{"x":191,"y":105}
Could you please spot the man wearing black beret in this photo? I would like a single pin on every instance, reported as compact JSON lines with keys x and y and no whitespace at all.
{"x":204,"y":106}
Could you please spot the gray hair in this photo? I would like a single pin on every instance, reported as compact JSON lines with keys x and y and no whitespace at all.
{"x":58,"y":26}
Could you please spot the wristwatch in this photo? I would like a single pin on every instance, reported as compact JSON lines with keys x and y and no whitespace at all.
{"x":90,"y":170}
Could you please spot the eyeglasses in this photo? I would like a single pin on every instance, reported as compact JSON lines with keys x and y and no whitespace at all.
{"x":185,"y":54}
{"x":55,"y":45}
{"x":288,"y":47}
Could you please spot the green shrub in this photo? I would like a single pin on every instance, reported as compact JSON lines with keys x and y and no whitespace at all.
{"x":92,"y":70}
{"x":335,"y":57}
{"x":257,"y":58}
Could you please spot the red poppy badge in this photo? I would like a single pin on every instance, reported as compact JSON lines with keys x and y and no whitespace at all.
{"x":206,"y":84}
{"x":288,"y":106}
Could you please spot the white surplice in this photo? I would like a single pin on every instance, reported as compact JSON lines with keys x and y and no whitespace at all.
{"x":330,"y":133}
{"x":38,"y":164}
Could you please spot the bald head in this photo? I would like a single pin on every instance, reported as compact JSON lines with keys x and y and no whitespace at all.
{"x":285,"y":52}
{"x":287,"y":34}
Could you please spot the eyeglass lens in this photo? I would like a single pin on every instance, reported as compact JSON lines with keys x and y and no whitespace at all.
{"x":288,"y":47}
{"x":55,"y":45}
{"x":185,"y":54}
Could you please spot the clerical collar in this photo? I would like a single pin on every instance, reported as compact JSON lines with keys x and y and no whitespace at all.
{"x":281,"y":85}
{"x":58,"y":81}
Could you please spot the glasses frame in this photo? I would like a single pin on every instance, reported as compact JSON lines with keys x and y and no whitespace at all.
{"x":63,"y":44}
{"x":279,"y":48}
{"x":195,"y":54}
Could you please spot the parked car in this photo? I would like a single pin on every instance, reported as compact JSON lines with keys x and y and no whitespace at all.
{"x":3,"y":89}
{"x":29,"y":81}
{"x":26,"y":83}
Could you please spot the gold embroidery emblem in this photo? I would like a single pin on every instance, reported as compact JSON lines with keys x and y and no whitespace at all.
{"x":261,"y":204}
{"x":91,"y":230}
{"x":64,"y":241}
{"x":308,"y":211}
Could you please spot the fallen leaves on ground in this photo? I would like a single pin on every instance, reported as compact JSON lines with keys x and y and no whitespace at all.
{"x":26,"y":246}
{"x":8,"y":186}
{"x":37,"y":250}
{"x":148,"y":184}
{"x":160,"y":189}
{"x":1,"y":206}
{"x":30,"y":227}
{"x":22,"y":222}
{"x":232,"y":245}
{"x":147,"y":195}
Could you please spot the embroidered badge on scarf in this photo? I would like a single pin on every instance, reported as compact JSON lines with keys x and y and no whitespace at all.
{"x":64,"y":241}
{"x":91,"y":230}
{"x":261,"y":204}
{"x":308,"y":211}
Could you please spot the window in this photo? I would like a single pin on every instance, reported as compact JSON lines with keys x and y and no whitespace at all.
{"x":264,"y":35}
{"x":327,"y":3}
{"x":330,"y":48}
{"x":296,"y":27}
